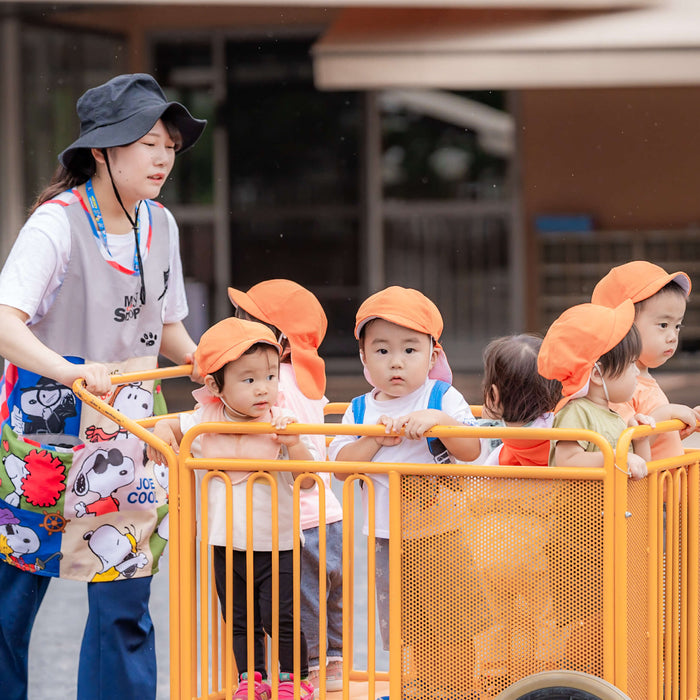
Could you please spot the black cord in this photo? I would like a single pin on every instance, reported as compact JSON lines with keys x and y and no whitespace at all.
{"x":134,"y":225}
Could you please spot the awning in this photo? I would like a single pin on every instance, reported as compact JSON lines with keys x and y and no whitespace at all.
{"x":460,"y":49}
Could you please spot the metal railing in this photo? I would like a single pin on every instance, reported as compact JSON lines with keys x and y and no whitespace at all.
{"x":616,"y":561}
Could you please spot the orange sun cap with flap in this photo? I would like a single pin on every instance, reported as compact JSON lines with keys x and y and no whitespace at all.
{"x":577,"y":340}
{"x":411,"y":309}
{"x":637,"y":280}
{"x":227,"y":340}
{"x":297,"y":313}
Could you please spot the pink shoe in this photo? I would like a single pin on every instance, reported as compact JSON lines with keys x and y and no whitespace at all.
{"x":334,"y":675}
{"x":262,"y":689}
{"x":286,"y":688}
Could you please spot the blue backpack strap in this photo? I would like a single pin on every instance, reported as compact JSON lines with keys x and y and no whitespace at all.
{"x":435,"y":445}
{"x":358,"y":409}
{"x":436,"y":393}
{"x":359,"y":404}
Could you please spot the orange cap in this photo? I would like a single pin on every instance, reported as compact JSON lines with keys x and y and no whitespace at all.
{"x":637,"y":280}
{"x":227,"y":340}
{"x":300,"y":316}
{"x":411,"y":309}
{"x":578,"y":339}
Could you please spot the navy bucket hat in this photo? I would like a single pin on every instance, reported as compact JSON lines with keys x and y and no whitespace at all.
{"x":122,"y":111}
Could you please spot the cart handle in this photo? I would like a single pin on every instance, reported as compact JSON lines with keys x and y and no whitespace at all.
{"x":134,"y":427}
{"x":157,"y":373}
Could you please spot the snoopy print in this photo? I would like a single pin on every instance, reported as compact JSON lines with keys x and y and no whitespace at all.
{"x":133,"y":401}
{"x":102,"y":473}
{"x":117,"y":552}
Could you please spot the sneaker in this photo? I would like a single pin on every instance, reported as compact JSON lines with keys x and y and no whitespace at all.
{"x":262,"y":689}
{"x":315,"y":680}
{"x":286,"y":688}
{"x":334,"y":675}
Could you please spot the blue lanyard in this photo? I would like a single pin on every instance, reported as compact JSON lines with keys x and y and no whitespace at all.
{"x":101,"y":232}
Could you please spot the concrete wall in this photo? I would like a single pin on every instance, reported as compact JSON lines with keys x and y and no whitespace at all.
{"x":629,"y":157}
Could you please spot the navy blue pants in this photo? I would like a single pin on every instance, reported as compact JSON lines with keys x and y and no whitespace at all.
{"x":117,"y":656}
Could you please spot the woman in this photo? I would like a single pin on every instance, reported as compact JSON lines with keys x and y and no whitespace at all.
{"x":93,"y":286}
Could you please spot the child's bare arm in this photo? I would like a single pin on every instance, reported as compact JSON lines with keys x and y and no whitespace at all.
{"x":417,"y":423}
{"x":168,"y":430}
{"x":637,"y":465}
{"x":673,"y":411}
{"x":642,"y":446}
{"x":366,"y":446}
{"x":361,"y":450}
{"x":568,"y":453}
{"x":301,"y":452}
{"x":296,"y":448}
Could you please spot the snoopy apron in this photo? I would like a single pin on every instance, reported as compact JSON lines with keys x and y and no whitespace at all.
{"x":78,"y":499}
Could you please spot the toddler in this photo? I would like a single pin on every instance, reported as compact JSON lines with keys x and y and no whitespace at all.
{"x":516,"y":394}
{"x":513,"y":520}
{"x":398,"y":331}
{"x":659,"y":303}
{"x":297,"y":319}
{"x":240,"y":363}
{"x":593,"y":351}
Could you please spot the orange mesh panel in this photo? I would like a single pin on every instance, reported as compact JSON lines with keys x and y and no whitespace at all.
{"x":638,"y":593}
{"x":501,"y":578}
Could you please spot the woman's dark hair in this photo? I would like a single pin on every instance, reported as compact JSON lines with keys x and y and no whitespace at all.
{"x":616,"y":361}
{"x":218,"y":374}
{"x":83,"y":167}
{"x":510,"y":365}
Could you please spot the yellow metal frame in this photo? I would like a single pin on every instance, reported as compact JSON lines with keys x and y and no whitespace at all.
{"x":674,"y":483}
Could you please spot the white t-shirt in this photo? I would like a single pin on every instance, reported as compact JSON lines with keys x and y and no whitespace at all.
{"x":37,"y":263}
{"x":409,"y":451}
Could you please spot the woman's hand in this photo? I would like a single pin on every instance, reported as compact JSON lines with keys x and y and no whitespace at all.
{"x":98,"y":379}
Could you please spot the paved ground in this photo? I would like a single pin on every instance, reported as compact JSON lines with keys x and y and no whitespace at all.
{"x":58,"y":630}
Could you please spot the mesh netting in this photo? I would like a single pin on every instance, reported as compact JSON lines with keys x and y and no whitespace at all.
{"x":502,"y":578}
{"x":638,"y":630}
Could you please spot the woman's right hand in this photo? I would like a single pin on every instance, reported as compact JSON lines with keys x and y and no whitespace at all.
{"x":97,"y":378}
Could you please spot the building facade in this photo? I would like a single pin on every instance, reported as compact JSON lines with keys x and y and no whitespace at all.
{"x":500,"y":156}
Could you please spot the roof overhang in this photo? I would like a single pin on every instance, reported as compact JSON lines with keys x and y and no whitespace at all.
{"x":464,"y":49}
{"x":561,"y":4}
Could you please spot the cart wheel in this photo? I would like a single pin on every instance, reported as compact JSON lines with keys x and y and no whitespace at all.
{"x":562,"y":685}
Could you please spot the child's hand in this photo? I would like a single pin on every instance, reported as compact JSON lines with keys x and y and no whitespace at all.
{"x":415,"y":424}
{"x":641,"y":419}
{"x":281,"y":422}
{"x":676,"y":411}
{"x":696,"y":411}
{"x":163,"y":431}
{"x":637,"y":466}
{"x":391,"y":425}
{"x":688,"y":415}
